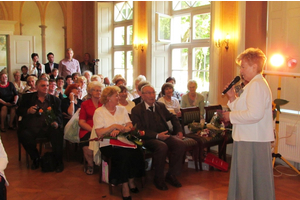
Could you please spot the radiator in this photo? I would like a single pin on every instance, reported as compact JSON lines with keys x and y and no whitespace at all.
{"x":289,"y":139}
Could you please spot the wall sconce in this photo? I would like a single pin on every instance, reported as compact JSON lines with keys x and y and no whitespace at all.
{"x":219,"y":42}
{"x":140,"y":45}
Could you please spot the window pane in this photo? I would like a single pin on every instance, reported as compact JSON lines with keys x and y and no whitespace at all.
{"x":123,"y":11}
{"x":129,"y":79}
{"x":180,"y":5}
{"x":129,"y":35}
{"x":129,"y":60}
{"x":202,"y":78}
{"x":180,"y":59}
{"x":119,"y":36}
{"x":3,"y":62}
{"x":119,"y":60}
{"x":201,"y":26}
{"x":181,"y":78}
{"x":164,"y":28}
{"x":201,"y":58}
{"x":181,"y":29}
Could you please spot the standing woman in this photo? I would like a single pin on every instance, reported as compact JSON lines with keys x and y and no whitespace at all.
{"x":8,"y":100}
{"x":126,"y":163}
{"x":86,"y":124}
{"x":251,"y":174}
{"x":192,"y":98}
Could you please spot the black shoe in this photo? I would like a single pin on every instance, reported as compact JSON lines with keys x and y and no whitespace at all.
{"x":171,"y":179}
{"x":60,"y":167}
{"x":35,"y":163}
{"x":2,"y":129}
{"x":127,"y":198}
{"x":161,"y":185}
{"x":134,"y":190}
{"x":12,"y":128}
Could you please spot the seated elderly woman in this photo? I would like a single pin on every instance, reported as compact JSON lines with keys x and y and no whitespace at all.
{"x":19,"y":85}
{"x":138,"y":79}
{"x":82,"y":83}
{"x":52,"y":89}
{"x":30,"y":87}
{"x":86,"y":124}
{"x":111,"y":120}
{"x":176,"y":94}
{"x":88,"y":75}
{"x":8,"y":100}
{"x":70,"y":104}
{"x":169,"y":100}
{"x":192,"y":98}
{"x":123,"y":101}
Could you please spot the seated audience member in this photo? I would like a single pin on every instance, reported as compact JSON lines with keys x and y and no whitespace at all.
{"x":102,"y":78}
{"x":3,"y":164}
{"x":37,"y":68}
{"x":192,"y":98}
{"x":8,"y":100}
{"x":123,"y":101}
{"x":152,"y":117}
{"x":24,"y":74}
{"x":86,"y":64}
{"x":69,"y":81}
{"x":175,"y":93}
{"x":106,"y":81}
{"x":126,"y":163}
{"x":31,"y":87}
{"x":60,"y":86}
{"x":70,"y":104}
{"x":75,"y":76}
{"x":139,"y":99}
{"x":87,"y":75}
{"x":86,"y":124}
{"x":96,"y":78}
{"x":82,"y":83}
{"x":52,"y":89}
{"x":50,"y":65}
{"x":140,"y":78}
{"x":172,"y":104}
{"x":116,"y":78}
{"x":19,"y":85}
{"x":33,"y":124}
{"x":54,"y":74}
{"x":46,"y":76}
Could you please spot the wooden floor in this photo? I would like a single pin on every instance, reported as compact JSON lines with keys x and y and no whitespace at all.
{"x":73,"y":183}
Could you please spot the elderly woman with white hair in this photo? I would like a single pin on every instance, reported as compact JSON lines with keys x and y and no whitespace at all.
{"x":138,"y":79}
{"x":87,"y":74}
{"x":19,"y":85}
{"x":192,"y":98}
{"x":86,"y":124}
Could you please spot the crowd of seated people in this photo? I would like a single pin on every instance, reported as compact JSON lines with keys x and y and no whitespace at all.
{"x":109,"y":108}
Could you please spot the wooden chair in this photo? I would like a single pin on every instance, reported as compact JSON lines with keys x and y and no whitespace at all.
{"x":190,"y":115}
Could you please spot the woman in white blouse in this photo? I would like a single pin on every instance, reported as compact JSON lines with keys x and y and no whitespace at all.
{"x":126,"y":163}
{"x":19,"y":85}
{"x":251,"y":175}
{"x":171,"y":102}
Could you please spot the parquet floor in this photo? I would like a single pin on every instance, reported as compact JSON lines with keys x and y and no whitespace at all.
{"x":74,"y":184}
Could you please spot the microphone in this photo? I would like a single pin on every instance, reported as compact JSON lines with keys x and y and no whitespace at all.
{"x":233,"y":82}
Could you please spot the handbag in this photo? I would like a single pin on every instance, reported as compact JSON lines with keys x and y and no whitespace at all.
{"x":71,"y":131}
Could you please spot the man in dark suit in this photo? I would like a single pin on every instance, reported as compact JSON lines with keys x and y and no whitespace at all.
{"x":49,"y":66}
{"x":152,"y":117}
{"x":33,"y":125}
{"x":139,"y":87}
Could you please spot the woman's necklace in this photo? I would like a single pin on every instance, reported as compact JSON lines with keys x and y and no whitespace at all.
{"x":112,"y":111}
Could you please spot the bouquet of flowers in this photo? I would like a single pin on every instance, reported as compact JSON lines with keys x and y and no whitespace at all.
{"x":49,"y":115}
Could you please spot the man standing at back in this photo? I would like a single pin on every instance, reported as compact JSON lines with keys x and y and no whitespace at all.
{"x":50,"y":65}
{"x":69,"y":65}
{"x":152,"y":117}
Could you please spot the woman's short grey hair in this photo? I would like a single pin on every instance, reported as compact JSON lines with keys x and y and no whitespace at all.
{"x":87,"y":71}
{"x":139,"y":79}
{"x":190,"y":82}
{"x":92,"y":85}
